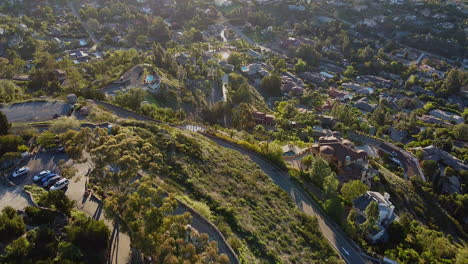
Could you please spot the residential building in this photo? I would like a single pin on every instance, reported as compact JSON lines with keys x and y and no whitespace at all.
{"x":386,"y":213}
{"x":447,"y":116}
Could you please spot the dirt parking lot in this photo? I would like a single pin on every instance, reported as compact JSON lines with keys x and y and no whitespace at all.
{"x":35,"y":111}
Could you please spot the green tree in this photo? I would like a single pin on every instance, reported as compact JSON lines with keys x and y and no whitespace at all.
{"x":65,"y":123}
{"x":18,"y":250}
{"x":353,"y":189}
{"x":330,"y":185}
{"x":271,"y":84}
{"x":334,"y":208}
{"x":68,"y":252}
{"x":460,"y":131}
{"x":350,"y":72}
{"x":57,"y":200}
{"x":308,"y":53}
{"x":11,"y":225}
{"x":242,"y":116}
{"x":372,"y":215}
{"x":308,"y":161}
{"x":455,"y":80}
{"x":4,"y":124}
{"x":430,"y":168}
{"x":47,"y":139}
{"x":300,"y":66}
{"x":131,"y":99}
{"x":235,"y":58}
{"x":319,"y":171}
{"x":280,"y":66}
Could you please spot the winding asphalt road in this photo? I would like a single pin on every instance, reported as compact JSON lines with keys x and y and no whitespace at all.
{"x":337,"y":238}
{"x":305,"y":203}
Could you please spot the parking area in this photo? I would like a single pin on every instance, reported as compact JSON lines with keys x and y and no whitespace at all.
{"x":14,"y":196}
{"x":37,"y":163}
{"x":35,"y":111}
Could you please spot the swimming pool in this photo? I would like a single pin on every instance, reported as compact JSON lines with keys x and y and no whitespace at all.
{"x":149,"y":78}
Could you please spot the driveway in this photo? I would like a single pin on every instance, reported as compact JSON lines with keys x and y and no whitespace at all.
{"x":35,"y":111}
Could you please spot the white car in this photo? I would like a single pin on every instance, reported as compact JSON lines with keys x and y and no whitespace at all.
{"x":41,"y":175}
{"x":60,"y":185}
{"x":21,"y":171}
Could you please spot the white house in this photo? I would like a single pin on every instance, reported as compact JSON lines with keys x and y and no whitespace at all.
{"x":386,"y":212}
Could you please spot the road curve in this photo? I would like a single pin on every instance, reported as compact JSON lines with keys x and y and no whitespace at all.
{"x":305,"y":203}
{"x":336,"y":237}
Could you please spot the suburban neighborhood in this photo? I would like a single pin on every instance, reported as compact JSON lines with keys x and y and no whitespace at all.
{"x":162,"y":131}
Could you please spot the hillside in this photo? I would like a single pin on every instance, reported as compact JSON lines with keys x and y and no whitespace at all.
{"x":259,"y":220}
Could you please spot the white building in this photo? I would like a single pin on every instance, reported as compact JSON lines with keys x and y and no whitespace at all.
{"x":386,"y":212}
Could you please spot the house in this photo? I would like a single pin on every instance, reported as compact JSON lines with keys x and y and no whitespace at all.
{"x":364,"y":105}
{"x":386,"y":213}
{"x":61,"y":75}
{"x":255,"y":69}
{"x":376,"y":80}
{"x":184,"y":58}
{"x":397,"y":135}
{"x":291,"y":150}
{"x":352,"y":163}
{"x":338,"y":151}
{"x":447,"y":116}
{"x":432,"y":120}
{"x":339,"y":94}
{"x":436,"y":154}
{"x":262,"y":118}
{"x":288,"y":84}
{"x":79,"y":56}
{"x":254,"y":54}
{"x":357,"y":88}
{"x":296,"y":7}
{"x":291,"y":42}
{"x":21,"y":77}
{"x":312,"y":77}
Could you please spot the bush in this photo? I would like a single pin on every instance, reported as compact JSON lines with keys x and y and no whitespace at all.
{"x":47,"y":139}
{"x":22,"y":148}
{"x":10,"y":143}
{"x":39,"y":216}
{"x":57,"y":200}
{"x":89,"y":234}
{"x":64,"y":123}
{"x":11,"y":225}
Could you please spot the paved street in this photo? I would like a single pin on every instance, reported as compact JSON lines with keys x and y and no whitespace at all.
{"x":306,"y":204}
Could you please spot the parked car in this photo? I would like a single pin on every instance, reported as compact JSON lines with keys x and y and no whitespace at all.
{"x":60,"y":150}
{"x":41,"y":175}
{"x":47,"y":177}
{"x":60,"y":185}
{"x":52,"y":181}
{"x":21,"y":171}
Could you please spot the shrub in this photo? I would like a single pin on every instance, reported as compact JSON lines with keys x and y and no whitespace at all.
{"x":47,"y":139}
{"x":39,"y":216}
{"x":22,"y":148}
{"x":65,"y":123}
{"x":11,"y":225}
